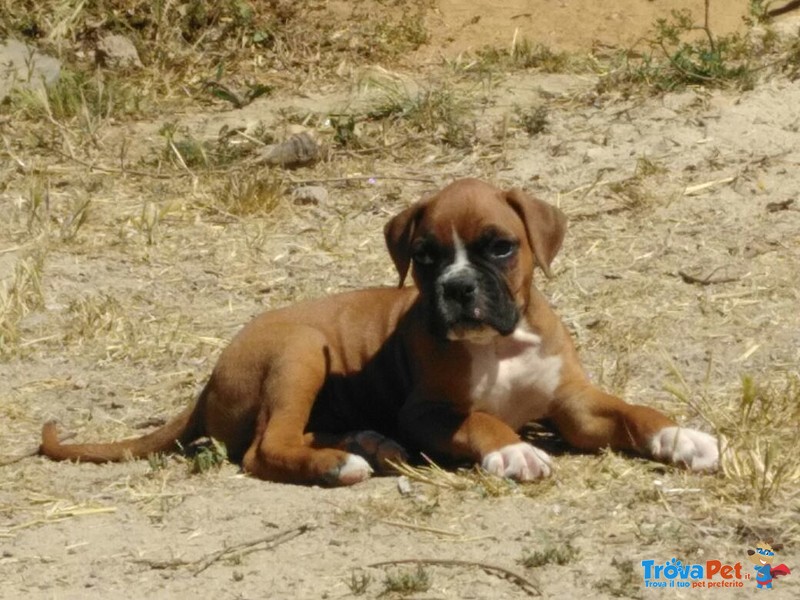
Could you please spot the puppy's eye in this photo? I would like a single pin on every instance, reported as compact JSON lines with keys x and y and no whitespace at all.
{"x":424,"y":255}
{"x":502,"y":249}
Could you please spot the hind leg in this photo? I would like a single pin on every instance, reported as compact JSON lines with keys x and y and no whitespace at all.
{"x":280,"y":451}
{"x":377,"y":449}
{"x":302,"y":464}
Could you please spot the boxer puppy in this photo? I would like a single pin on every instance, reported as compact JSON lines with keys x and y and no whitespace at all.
{"x":453,"y":366}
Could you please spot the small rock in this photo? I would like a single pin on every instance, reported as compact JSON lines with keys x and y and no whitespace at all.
{"x":298,"y":151}
{"x":594,"y":154}
{"x":117,"y":52}
{"x":310,"y":194}
{"x":24,"y":67}
{"x":404,"y":485}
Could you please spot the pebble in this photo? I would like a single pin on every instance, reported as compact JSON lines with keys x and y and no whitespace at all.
{"x":310,"y":194}
{"x":298,"y":151}
{"x":117,"y":52}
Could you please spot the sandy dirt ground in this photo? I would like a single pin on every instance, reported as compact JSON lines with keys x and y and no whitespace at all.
{"x":457,"y":25}
{"x":679,"y":277}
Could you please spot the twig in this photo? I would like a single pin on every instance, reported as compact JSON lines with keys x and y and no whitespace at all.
{"x":116,"y":170}
{"x":61,"y":516}
{"x":250,"y":138}
{"x":161,"y":565}
{"x":244,"y":548}
{"x":781,"y":10}
{"x":360,"y":178}
{"x":707,"y":25}
{"x":526,"y":584}
{"x":707,"y":280}
{"x":677,"y":66}
{"x":614,"y":210}
{"x":270,"y":540}
{"x":386,"y":148}
{"x":694,"y":189}
{"x":20,"y":163}
{"x":179,"y":156}
{"x":416,"y":527}
{"x":782,"y":205}
{"x":598,"y":178}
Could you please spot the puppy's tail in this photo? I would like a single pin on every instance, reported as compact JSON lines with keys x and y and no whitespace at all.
{"x":181,"y":430}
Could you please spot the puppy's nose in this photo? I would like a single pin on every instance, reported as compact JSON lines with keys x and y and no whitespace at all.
{"x":460,"y":289}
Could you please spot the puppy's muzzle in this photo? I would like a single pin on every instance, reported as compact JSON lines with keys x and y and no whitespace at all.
{"x":461,"y":290}
{"x":460,"y":300}
{"x":471,"y":305}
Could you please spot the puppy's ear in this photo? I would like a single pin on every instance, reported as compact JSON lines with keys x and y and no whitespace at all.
{"x":398,"y":234}
{"x":544,"y":223}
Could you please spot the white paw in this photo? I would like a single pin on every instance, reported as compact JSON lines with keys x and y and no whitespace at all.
{"x":354,"y":470}
{"x":519,"y":461}
{"x":696,"y":450}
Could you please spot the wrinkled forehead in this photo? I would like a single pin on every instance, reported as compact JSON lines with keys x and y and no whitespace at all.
{"x":470,"y":211}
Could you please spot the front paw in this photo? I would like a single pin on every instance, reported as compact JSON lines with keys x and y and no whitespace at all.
{"x":520,"y":461}
{"x":693,"y":449}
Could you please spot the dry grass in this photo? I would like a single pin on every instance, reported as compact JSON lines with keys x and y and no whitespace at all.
{"x":19,"y":297}
{"x":759,"y":435}
{"x":473,"y":480}
{"x":54,"y":512}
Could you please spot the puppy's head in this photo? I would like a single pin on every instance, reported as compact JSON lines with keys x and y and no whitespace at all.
{"x":473,"y":248}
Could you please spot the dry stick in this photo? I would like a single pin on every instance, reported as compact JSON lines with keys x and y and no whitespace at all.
{"x":245,"y":547}
{"x":707,"y":25}
{"x":598,"y":178}
{"x":115,"y":170}
{"x":416,"y":527}
{"x":707,"y":280}
{"x":62,"y":516}
{"x":776,"y":206}
{"x":781,"y":10}
{"x":182,"y":162}
{"x":526,"y":584}
{"x":188,"y":173}
{"x":694,"y":189}
{"x":360,"y":178}
{"x":271,"y":541}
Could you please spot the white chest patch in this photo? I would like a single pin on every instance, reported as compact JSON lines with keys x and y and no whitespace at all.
{"x":512,"y":380}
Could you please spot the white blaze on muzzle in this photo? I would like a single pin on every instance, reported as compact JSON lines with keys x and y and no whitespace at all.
{"x":460,"y":264}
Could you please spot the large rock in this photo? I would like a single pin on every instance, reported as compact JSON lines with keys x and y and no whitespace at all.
{"x":24,"y":67}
